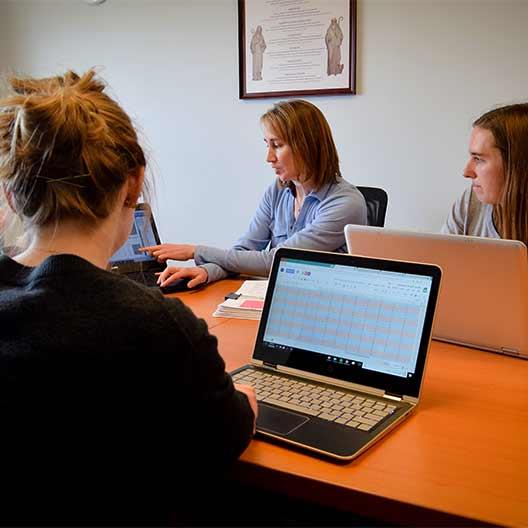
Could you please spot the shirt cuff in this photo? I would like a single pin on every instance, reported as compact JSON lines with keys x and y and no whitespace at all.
{"x":214,"y":272}
{"x":209,"y":257}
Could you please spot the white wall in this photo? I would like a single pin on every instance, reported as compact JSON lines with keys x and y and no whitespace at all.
{"x":426,"y":69}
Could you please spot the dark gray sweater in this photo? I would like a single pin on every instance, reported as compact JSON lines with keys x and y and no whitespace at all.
{"x":110,"y":394}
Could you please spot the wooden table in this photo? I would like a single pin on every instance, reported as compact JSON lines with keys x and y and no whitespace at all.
{"x":461,"y":459}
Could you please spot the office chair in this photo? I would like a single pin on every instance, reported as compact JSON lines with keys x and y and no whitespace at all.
{"x":376,"y":199}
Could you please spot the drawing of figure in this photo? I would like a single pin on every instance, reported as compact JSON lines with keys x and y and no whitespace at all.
{"x":334,"y":39}
{"x":257,"y":46}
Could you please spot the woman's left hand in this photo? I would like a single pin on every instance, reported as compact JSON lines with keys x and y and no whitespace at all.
{"x":162,"y":252}
{"x":196,"y":276}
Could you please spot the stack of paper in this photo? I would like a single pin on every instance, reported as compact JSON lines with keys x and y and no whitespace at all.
{"x":248,"y":303}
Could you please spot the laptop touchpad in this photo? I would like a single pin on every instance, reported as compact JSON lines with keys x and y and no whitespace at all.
{"x":278,"y":421}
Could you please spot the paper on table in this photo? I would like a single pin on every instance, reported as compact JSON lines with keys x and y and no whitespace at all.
{"x":248,"y":305}
{"x":254,"y":288}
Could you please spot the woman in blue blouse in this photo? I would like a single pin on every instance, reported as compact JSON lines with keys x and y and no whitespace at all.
{"x":306,"y":207}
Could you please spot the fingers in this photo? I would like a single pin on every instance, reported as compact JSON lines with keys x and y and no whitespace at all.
{"x":199,"y":279}
{"x":163,"y":252}
{"x":149,"y":249}
{"x":248,"y":390}
{"x":170,"y":274}
{"x":160,"y":255}
{"x":252,"y":399}
{"x":155,"y":252}
{"x":199,"y":276}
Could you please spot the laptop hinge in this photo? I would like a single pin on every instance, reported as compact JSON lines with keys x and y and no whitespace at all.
{"x":269,"y":365}
{"x":395,"y":397}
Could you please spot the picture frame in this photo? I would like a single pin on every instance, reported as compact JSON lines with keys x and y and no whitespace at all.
{"x":307,"y":47}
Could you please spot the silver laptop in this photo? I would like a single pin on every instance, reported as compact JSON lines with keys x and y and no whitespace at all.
{"x":341,"y":349}
{"x":484,"y":298}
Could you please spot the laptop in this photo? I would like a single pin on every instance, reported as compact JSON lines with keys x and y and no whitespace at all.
{"x":484,"y":299}
{"x":137,"y":265}
{"x":341,"y":349}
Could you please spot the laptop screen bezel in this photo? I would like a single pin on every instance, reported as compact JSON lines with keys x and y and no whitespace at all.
{"x":317,"y":363}
{"x":124,"y":266}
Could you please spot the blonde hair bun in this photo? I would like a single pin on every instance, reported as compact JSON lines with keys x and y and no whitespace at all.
{"x":66,"y":148}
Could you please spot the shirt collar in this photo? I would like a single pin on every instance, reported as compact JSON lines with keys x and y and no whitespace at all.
{"x":322,"y":193}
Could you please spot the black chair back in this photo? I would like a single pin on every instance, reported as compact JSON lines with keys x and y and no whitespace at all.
{"x":376,"y":199}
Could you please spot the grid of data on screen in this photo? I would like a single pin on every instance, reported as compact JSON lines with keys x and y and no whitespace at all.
{"x":360,"y":315}
{"x":141,"y":235}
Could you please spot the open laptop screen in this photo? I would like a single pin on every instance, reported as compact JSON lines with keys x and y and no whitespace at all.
{"x":358,"y":319}
{"x":143,"y":233}
{"x":368,"y":318}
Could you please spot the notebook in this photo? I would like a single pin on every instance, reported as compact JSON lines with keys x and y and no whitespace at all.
{"x":139,"y":266}
{"x":484,"y":298}
{"x":341,"y":349}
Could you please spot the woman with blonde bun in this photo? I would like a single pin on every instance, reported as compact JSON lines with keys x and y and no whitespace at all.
{"x":110,"y":393}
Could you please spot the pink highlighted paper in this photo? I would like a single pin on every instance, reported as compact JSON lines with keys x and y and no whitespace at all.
{"x":256,"y":304}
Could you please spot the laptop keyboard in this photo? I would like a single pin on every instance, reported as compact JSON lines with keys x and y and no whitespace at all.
{"x":334,"y":405}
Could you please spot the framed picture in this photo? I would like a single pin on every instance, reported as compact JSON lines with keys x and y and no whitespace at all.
{"x":301,"y":47}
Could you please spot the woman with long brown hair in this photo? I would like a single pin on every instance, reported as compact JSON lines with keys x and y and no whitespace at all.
{"x":496,"y":204}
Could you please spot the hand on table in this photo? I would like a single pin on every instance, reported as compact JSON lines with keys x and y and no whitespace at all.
{"x":170,"y":274}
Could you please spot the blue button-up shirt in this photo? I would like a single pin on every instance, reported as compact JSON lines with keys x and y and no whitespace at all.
{"x":320,"y":225}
